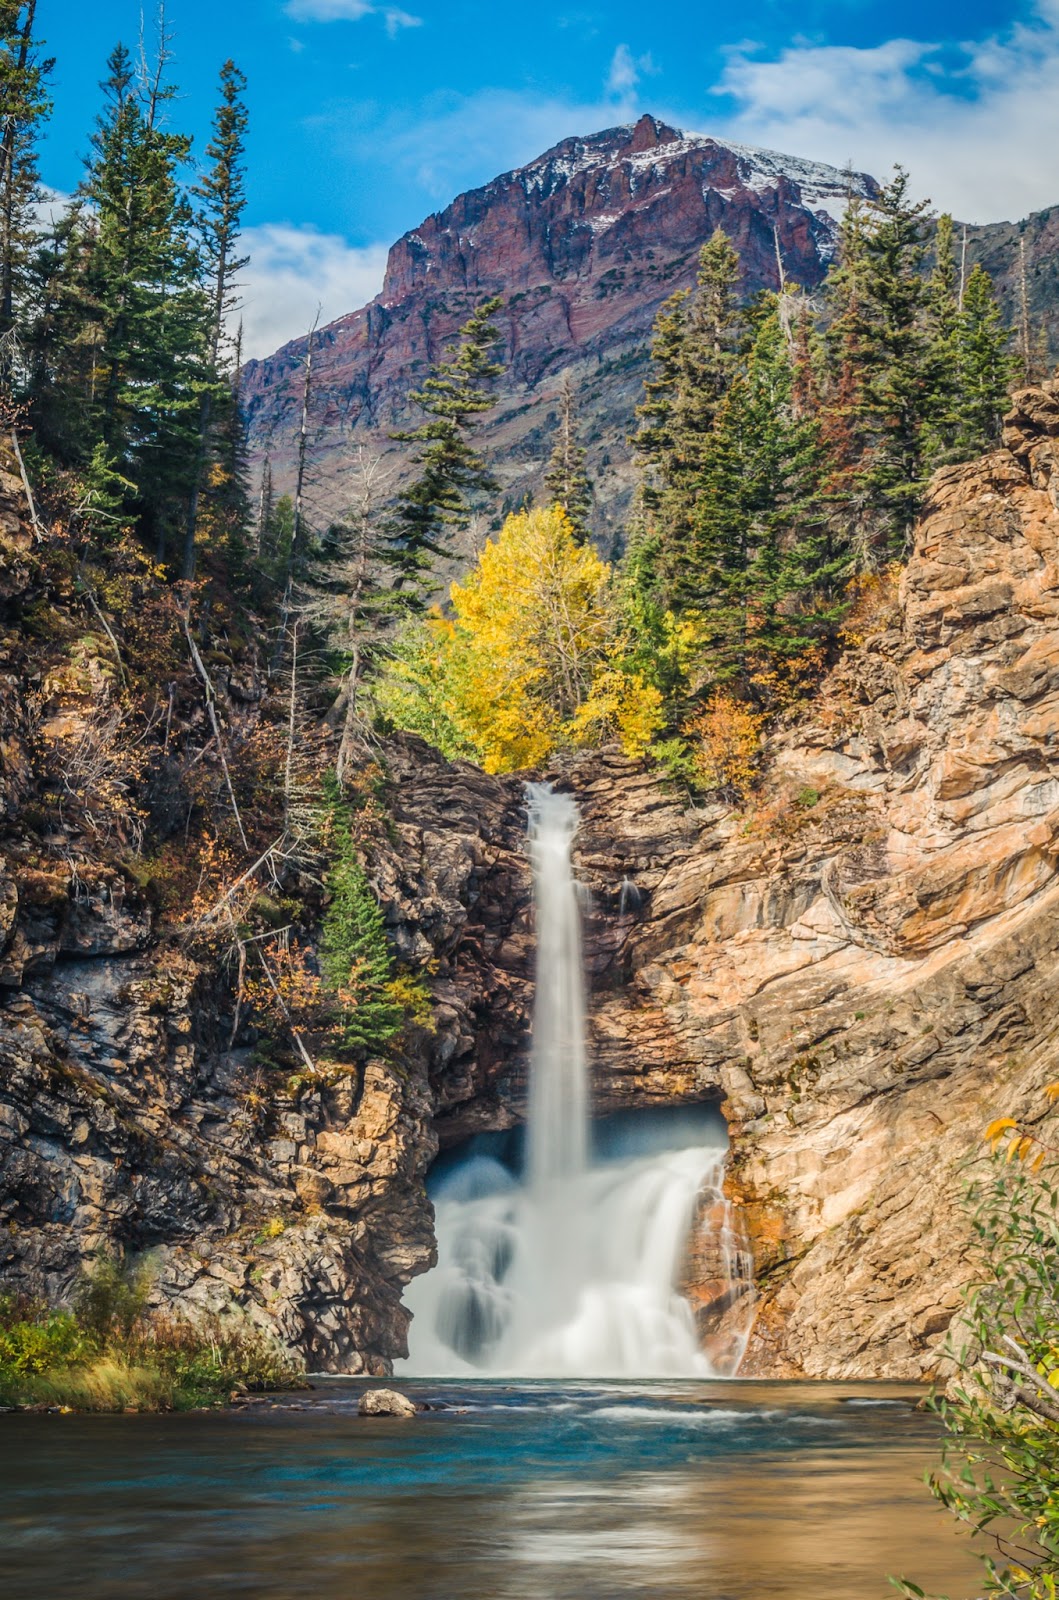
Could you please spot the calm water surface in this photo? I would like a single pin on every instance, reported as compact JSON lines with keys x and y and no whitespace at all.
{"x":575,"y":1491}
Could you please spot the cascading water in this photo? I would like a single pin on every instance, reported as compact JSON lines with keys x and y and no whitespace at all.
{"x":572,"y":1270}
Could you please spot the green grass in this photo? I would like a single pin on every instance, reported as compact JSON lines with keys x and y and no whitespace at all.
{"x":111,"y":1353}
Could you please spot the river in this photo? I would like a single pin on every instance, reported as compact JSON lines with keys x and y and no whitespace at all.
{"x":527,"y":1491}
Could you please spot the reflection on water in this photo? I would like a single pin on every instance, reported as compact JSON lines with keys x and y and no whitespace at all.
{"x":714,"y":1491}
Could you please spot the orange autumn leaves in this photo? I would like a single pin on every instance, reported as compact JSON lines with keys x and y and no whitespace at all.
{"x":1021,"y":1146}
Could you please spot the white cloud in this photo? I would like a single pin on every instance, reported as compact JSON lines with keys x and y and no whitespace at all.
{"x":351,"y":11}
{"x":626,"y":70}
{"x":975,"y":123}
{"x":624,"y":74}
{"x":396,"y":20}
{"x":293,"y":271}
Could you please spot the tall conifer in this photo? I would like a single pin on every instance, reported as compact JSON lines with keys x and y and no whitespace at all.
{"x":566,"y":481}
{"x":451,"y":469}
{"x":25,"y":107}
{"x":152,"y":312}
{"x":222,"y":197}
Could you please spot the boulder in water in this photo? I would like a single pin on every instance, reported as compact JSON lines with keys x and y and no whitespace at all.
{"x":385,"y":1403}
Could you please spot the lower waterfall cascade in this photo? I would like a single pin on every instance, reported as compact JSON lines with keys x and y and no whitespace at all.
{"x":571,"y":1269}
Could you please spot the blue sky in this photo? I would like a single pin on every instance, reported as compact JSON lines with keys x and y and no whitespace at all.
{"x":365,"y":117}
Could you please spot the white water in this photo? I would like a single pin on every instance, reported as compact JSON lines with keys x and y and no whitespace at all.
{"x":571,"y":1272}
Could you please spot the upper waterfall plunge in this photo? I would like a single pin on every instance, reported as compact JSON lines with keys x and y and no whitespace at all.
{"x":558,"y":1094}
{"x":571,"y":1267}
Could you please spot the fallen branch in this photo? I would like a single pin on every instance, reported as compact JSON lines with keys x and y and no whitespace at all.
{"x":211,"y":711}
{"x":37,"y":528}
{"x":105,"y":625}
{"x":1041,"y":1398}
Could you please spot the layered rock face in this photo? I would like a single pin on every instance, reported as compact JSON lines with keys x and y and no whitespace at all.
{"x":584,"y":244}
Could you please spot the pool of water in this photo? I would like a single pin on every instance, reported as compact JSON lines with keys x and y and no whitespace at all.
{"x":573,"y":1491}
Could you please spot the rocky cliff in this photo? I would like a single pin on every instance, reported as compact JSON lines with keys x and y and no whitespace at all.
{"x":860,"y":964}
{"x":863,"y":963}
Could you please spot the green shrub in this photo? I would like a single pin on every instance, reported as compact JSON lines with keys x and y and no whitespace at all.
{"x":112,"y":1353}
{"x":1000,"y":1462}
{"x":33,"y":1342}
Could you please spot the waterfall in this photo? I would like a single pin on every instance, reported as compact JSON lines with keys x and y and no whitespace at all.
{"x":558,"y":1097}
{"x":572,"y":1269}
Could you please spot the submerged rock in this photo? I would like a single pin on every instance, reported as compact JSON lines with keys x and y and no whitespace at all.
{"x":385,"y":1403}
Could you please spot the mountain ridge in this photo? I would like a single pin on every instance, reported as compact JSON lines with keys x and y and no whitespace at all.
{"x":584,"y":243}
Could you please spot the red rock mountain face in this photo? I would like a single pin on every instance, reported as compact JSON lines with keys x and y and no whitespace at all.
{"x":583,"y":244}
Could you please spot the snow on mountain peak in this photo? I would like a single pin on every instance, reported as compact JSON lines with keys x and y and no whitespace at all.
{"x":649,"y":145}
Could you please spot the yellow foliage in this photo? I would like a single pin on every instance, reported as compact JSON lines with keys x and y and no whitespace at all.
{"x":529,"y":661}
{"x":996,"y":1130}
{"x":725,"y":737}
{"x":1021,"y":1146}
{"x":875,"y":604}
{"x":620,"y":706}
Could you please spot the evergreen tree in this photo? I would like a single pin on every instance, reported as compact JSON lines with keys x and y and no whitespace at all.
{"x":566,"y":481}
{"x":223,"y":196}
{"x":25,"y":107}
{"x":941,"y":320}
{"x":457,"y":392}
{"x":696,"y":345}
{"x":985,"y":370}
{"x":897,"y":394}
{"x":152,"y":312}
{"x":761,"y":571}
{"x":844,"y":420}
{"x":62,"y":339}
{"x":654,"y":441}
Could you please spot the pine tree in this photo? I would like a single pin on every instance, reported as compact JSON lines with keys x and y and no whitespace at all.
{"x":654,"y":440}
{"x":897,"y":400}
{"x":709,"y":360}
{"x":62,"y":338}
{"x":844,"y":420}
{"x":566,"y":481}
{"x":761,"y":572}
{"x":152,"y":312}
{"x":696,"y":351}
{"x":985,"y":369}
{"x":457,"y":392}
{"x":223,"y":196}
{"x":25,"y":107}
{"x":941,"y":319}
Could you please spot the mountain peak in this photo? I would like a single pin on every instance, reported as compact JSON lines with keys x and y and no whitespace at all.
{"x":583,"y":244}
{"x":649,"y":133}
